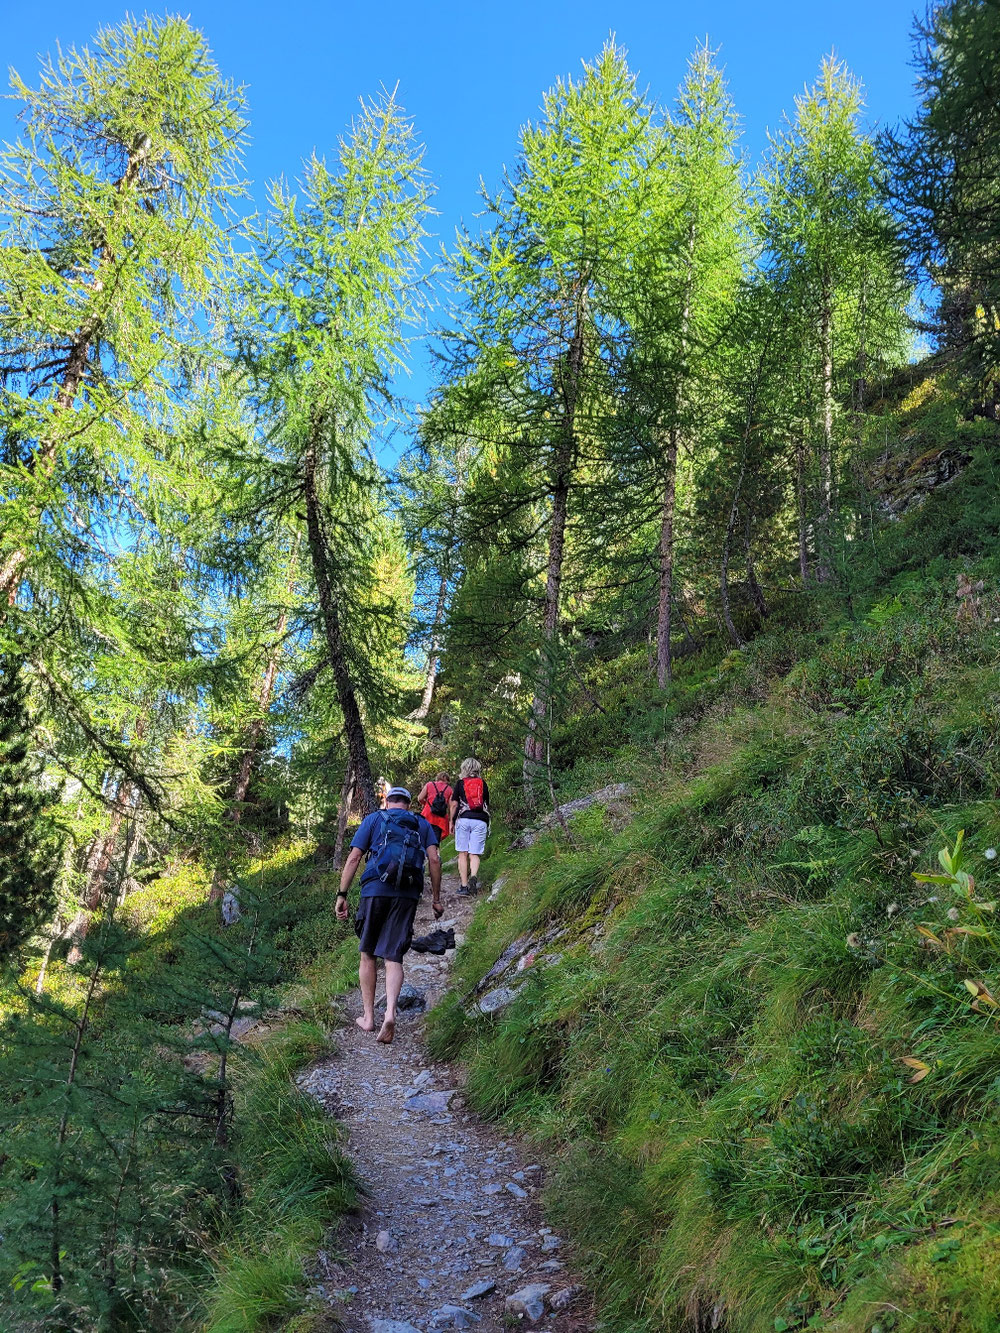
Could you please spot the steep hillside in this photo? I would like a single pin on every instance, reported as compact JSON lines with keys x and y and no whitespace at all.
{"x":762,"y":1053}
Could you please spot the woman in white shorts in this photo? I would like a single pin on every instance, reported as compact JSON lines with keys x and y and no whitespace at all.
{"x":470,"y":816}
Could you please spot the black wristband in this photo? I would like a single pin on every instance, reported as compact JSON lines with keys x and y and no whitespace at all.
{"x":341,"y":893}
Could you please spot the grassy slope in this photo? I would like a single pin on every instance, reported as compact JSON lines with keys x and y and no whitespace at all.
{"x":238,"y":1266}
{"x":716,"y":1062}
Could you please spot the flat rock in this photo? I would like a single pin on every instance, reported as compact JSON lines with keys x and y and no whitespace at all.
{"x":513,"y":1259}
{"x":432,"y":1102}
{"x":409,"y":998}
{"x":390,"y":1326}
{"x":495,"y":1000}
{"x":384,"y":1242}
{"x":478,"y":1290}
{"x":452,"y":1316}
{"x":550,"y":1243}
{"x":528,"y":1302}
{"x":516,"y":1190}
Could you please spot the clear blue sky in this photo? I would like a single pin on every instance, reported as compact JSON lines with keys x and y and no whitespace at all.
{"x":472,"y":73}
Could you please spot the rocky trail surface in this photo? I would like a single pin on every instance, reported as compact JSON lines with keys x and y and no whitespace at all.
{"x":450,"y":1233}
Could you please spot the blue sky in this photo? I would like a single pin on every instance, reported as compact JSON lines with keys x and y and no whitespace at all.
{"x":472,"y":73}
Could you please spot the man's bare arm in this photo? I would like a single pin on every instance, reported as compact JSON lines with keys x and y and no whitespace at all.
{"x":346,"y":876}
{"x":434,"y":865}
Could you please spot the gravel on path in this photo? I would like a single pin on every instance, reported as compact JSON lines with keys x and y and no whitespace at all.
{"x":450,"y":1234}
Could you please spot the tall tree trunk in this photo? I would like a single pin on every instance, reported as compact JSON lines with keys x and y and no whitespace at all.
{"x":357,"y":745}
{"x":421,"y":712}
{"x":727,"y":543}
{"x":669,"y":492}
{"x":13,"y":562}
{"x":756,"y":591}
{"x":562,"y":469}
{"x":102,"y":853}
{"x":800,"y":496}
{"x":343,"y":814}
{"x":666,"y":584}
{"x":824,"y":569}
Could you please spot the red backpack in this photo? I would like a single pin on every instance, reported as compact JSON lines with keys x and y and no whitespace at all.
{"x":473,"y":793}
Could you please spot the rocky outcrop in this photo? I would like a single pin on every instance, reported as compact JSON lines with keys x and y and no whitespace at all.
{"x":902,"y":482}
{"x":617,"y":791}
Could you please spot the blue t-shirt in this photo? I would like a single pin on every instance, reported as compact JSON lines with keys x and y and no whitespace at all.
{"x":369,"y":832}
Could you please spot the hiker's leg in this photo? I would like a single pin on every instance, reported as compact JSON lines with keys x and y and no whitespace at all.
{"x":367,"y":973}
{"x":393,"y":985}
{"x":463,"y":868}
{"x":477,"y":845}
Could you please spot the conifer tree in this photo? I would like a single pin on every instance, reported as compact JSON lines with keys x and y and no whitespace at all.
{"x":538,"y":313}
{"x":27,"y":859}
{"x":330,"y":297}
{"x":946,"y":178}
{"x":111,"y":222}
{"x":676,"y":301}
{"x":831,"y":247}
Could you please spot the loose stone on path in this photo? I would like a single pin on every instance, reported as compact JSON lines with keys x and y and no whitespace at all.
{"x":445,"y":1198}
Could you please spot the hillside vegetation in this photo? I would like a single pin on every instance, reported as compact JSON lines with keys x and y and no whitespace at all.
{"x":769,"y":1093}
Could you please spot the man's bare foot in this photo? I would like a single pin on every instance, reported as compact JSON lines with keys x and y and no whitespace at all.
{"x":365,"y":1024}
{"x":388,"y":1031}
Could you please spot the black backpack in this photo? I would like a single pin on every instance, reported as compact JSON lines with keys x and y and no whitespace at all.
{"x":398,"y":856}
{"x":439,"y":806}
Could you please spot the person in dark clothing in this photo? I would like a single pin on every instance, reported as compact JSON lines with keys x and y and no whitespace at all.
{"x":470,"y":816}
{"x":395,"y":843}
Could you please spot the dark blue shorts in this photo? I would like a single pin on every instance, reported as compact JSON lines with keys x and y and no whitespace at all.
{"x":384,"y":926}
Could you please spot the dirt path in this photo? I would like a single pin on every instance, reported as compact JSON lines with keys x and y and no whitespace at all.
{"x":450,"y":1228}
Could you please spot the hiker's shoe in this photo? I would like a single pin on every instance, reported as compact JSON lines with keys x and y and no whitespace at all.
{"x":463,"y":891}
{"x":474,"y":884}
{"x":449,"y":938}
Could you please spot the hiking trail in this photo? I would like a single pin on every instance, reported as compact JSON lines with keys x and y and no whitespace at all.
{"x":450,"y":1232}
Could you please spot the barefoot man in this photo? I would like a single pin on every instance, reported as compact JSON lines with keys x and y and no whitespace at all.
{"x":395,"y":842}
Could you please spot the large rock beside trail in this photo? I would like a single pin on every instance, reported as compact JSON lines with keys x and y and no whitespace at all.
{"x":529,"y":1302}
{"x":479,"y":1289}
{"x":616,"y":791}
{"x":495,"y":1000}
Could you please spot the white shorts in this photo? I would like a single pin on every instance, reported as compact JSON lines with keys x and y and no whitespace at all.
{"x":470,"y":835}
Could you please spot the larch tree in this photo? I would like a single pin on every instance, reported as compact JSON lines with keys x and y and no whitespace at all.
{"x":332,"y":292}
{"x":535,"y":285}
{"x":675,"y":302}
{"x":945,"y":179}
{"x":111,"y":207}
{"x":830,"y":245}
